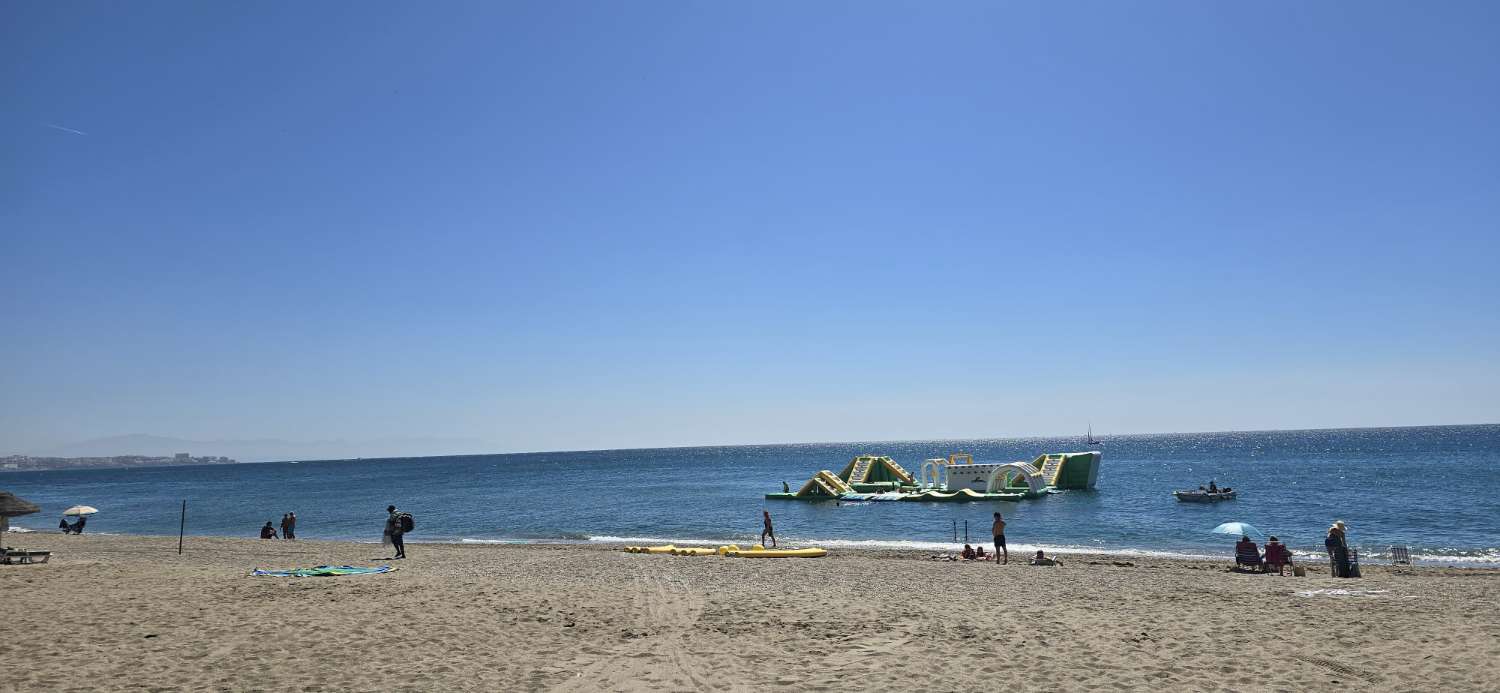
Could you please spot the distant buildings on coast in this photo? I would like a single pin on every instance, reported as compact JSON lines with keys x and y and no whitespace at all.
{"x":27,"y":463}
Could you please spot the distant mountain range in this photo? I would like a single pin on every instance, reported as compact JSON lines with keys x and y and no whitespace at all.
{"x":268,"y":449}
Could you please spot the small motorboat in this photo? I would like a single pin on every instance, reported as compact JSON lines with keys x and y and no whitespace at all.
{"x":1204,"y":496}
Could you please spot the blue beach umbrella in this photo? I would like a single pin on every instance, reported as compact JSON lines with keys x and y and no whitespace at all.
{"x":1239,"y":529}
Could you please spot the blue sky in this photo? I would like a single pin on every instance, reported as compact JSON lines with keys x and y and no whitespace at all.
{"x":574,"y":225}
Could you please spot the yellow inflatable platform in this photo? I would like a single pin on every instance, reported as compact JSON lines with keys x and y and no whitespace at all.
{"x":730,"y":551}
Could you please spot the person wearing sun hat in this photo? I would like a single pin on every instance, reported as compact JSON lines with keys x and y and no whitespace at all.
{"x":1338,"y":549}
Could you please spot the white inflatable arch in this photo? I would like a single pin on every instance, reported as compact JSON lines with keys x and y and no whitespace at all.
{"x":1000,"y":478}
{"x":934,"y":473}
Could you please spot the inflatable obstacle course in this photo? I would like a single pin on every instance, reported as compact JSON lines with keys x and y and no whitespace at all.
{"x":956,"y":478}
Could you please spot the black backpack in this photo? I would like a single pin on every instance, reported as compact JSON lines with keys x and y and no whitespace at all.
{"x":407,"y":524}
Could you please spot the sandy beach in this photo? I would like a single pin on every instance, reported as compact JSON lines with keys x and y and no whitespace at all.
{"x":117,"y":612}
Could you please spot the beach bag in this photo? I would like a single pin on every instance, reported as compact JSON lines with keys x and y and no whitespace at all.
{"x":407,"y":524}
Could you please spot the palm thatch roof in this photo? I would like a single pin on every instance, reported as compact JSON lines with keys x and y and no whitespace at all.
{"x":12,"y":506}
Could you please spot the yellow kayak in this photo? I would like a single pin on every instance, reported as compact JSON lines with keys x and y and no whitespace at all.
{"x":778,"y":553}
{"x":694,"y":551}
{"x":650,"y":549}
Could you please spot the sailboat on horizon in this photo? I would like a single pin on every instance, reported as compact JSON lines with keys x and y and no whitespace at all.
{"x":1090,"y":436}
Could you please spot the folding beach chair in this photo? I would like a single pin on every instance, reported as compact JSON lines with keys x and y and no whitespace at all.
{"x":1247,"y":557}
{"x":1400,"y":555}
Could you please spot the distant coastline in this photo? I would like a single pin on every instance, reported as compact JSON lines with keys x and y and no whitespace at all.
{"x":32,"y":463}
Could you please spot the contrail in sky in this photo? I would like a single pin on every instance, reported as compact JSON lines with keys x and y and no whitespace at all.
{"x":59,"y":127}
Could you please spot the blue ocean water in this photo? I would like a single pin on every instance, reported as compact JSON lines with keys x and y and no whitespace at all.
{"x":1433,"y":488}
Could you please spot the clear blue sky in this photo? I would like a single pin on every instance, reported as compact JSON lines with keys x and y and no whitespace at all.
{"x":576,"y":225}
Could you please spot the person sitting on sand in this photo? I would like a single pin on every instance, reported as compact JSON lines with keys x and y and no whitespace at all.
{"x":64,"y":526}
{"x":268,"y":532}
{"x":1041,"y":559}
{"x":968,"y":553}
{"x":78,"y":526}
{"x":980,"y":555}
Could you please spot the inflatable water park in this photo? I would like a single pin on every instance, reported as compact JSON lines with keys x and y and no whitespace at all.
{"x":955,"y":478}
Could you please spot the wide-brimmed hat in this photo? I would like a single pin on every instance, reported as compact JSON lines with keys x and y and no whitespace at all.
{"x":1338,"y":525}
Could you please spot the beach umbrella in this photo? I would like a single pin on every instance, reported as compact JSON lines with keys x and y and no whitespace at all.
{"x":12,"y":506}
{"x":81,"y":510}
{"x":1239,"y":529}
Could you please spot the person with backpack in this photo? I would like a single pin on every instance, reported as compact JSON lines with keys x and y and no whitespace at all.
{"x":393,"y":527}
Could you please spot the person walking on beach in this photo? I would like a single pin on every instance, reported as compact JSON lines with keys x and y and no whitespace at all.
{"x":767,"y":529}
{"x":999,"y":531}
{"x":393,"y":529}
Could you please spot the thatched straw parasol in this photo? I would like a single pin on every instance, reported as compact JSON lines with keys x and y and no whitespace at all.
{"x":11,"y":506}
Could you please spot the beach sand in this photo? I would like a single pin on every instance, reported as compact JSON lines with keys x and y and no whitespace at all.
{"x":116,"y":612}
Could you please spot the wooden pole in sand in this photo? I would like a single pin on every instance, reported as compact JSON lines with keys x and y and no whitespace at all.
{"x":181,"y":525}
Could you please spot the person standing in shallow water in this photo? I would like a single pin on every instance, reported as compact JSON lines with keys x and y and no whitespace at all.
{"x":998,"y":528}
{"x":767,"y":529}
{"x":393,"y":529}
{"x":289,"y":526}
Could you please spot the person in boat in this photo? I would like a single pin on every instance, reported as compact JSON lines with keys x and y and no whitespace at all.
{"x":1041,"y":559}
{"x":1212,"y":487}
{"x":785,"y":488}
{"x":968,"y":553}
{"x":268,"y":532}
{"x":1246,"y":553}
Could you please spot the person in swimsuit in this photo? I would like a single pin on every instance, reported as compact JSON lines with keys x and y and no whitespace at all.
{"x":767,"y":530}
{"x":999,"y":531}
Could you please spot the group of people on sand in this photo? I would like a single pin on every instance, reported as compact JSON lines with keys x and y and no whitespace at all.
{"x":1278,"y":557}
{"x":288,"y":528}
{"x":1001,"y":555}
{"x":75,"y":528}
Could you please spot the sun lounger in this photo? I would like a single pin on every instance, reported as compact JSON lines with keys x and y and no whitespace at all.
{"x":18,"y":557}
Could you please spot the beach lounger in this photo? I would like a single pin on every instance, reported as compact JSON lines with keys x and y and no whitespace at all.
{"x":20,"y":557}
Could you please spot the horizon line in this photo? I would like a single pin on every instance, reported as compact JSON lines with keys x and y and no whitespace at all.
{"x":876,"y":442}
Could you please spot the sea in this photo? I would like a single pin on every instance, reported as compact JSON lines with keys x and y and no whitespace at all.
{"x":1434,"y":489}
